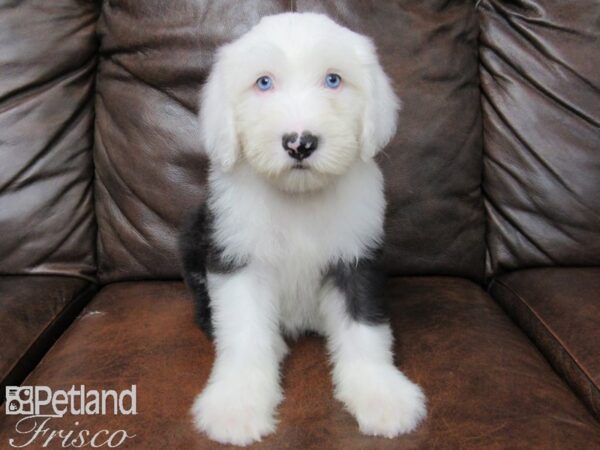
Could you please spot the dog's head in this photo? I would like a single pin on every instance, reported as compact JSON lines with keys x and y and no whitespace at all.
{"x":299,"y":98}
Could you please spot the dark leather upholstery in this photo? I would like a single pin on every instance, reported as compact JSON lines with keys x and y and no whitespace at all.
{"x":34,"y":310}
{"x":47,"y":70}
{"x":501,"y":100}
{"x":150,"y":171}
{"x":541,"y":107}
{"x":560,"y":310}
{"x":487,"y":386}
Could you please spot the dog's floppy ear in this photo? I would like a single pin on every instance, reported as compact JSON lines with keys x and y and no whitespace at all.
{"x":217,"y":125}
{"x":381,"y":109}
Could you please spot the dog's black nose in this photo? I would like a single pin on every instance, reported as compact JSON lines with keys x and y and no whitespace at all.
{"x":300,"y":147}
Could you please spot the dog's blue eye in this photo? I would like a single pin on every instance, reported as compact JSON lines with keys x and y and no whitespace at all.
{"x":333,"y":80}
{"x":264,"y":83}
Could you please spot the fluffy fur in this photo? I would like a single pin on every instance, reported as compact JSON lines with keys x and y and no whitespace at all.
{"x":283,"y":246}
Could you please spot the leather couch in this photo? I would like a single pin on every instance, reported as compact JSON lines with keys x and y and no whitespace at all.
{"x":493,"y":226}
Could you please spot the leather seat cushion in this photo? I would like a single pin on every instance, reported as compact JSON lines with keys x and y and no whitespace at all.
{"x":559,"y":308}
{"x":486,"y":384}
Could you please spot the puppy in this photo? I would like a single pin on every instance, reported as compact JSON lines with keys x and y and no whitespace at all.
{"x":291,"y":117}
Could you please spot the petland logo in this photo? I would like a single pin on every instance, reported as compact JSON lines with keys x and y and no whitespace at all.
{"x":40,"y":405}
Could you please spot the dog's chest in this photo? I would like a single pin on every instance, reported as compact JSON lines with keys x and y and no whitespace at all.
{"x":292,"y":257}
{"x":298,"y":298}
{"x":293,"y":248}
{"x":292,"y":242}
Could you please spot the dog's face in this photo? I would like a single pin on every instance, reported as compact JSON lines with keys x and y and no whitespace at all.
{"x":299,"y":98}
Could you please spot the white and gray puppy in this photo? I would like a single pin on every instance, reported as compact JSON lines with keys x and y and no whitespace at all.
{"x":291,"y":117}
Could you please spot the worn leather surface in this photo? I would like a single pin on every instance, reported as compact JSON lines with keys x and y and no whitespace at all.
{"x":541,"y":107}
{"x":33,"y":310}
{"x":487,"y":386}
{"x":149,"y":167}
{"x":560,"y":309}
{"x":47,"y":70}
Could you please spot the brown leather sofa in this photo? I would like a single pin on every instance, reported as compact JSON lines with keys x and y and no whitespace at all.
{"x":493,"y":227}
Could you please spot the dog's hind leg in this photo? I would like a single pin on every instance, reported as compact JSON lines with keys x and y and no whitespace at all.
{"x":193,"y":245}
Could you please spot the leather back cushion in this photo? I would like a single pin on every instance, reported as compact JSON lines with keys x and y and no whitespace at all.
{"x":150,"y":172}
{"x":541,"y":104}
{"x":47,"y":69}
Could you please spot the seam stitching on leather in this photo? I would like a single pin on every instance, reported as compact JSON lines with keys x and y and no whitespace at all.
{"x":552,"y":334}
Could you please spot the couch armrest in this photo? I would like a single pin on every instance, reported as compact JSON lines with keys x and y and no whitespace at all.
{"x":559,"y":308}
{"x":34,"y":311}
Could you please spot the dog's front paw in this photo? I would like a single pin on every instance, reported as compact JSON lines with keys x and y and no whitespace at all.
{"x":235,"y":412}
{"x":383,"y":401}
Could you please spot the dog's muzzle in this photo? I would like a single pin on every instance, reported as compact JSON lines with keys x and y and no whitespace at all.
{"x":299,"y":147}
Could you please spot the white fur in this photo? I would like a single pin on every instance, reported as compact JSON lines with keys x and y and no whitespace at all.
{"x":383,"y":400}
{"x":285,"y":226}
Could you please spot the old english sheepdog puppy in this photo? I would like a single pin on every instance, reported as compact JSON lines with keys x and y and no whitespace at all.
{"x":291,"y":117}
